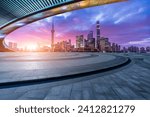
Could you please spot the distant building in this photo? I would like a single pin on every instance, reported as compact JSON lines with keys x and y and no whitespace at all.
{"x":125,"y":50}
{"x":97,"y":43}
{"x":119,"y":48}
{"x":142,"y":50}
{"x":90,"y":44}
{"x":63,"y":46}
{"x":69,"y":41}
{"x":147,"y":49}
{"x":90,"y":35}
{"x":133,"y":49}
{"x":80,"y":41}
{"x":12,"y":45}
{"x":137,"y":50}
{"x":52,"y":36}
{"x":15,"y":46}
{"x":98,"y":34}
{"x":104,"y":44}
{"x":113,"y":47}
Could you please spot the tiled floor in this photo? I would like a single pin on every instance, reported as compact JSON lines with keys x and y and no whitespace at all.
{"x":31,"y":66}
{"x":129,"y":82}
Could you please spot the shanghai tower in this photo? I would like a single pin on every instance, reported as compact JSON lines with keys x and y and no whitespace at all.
{"x":52,"y":37}
{"x":97,"y":34}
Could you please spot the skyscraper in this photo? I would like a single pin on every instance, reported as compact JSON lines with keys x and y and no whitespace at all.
{"x":52,"y":37}
{"x":80,"y":41}
{"x":147,"y":49}
{"x":10,"y":45}
{"x":97,"y":34}
{"x":90,"y":35}
{"x":90,"y":42}
{"x":15,"y":46}
{"x":105,"y":45}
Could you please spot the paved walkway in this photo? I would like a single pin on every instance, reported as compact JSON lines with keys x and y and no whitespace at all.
{"x":35,"y":66}
{"x":129,"y":82}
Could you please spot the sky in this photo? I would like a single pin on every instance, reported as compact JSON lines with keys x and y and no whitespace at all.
{"x":125,"y":23}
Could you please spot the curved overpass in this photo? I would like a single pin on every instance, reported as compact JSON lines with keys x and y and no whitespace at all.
{"x":18,"y":13}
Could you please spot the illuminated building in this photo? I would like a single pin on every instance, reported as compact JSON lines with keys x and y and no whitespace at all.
{"x":147,"y":49}
{"x":15,"y":46}
{"x":63,"y":46}
{"x":90,"y":42}
{"x":90,"y":35}
{"x":52,"y":36}
{"x":104,"y":44}
{"x":80,"y":41}
{"x":142,"y":50}
{"x":10,"y":45}
{"x":97,"y":35}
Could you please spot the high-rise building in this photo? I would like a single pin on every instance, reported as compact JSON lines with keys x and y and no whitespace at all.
{"x":117,"y":48}
{"x":147,"y":49}
{"x":125,"y":50}
{"x":113,"y":47}
{"x":64,"y":46}
{"x":80,"y":41}
{"x":90,"y":42}
{"x":133,"y":49}
{"x":98,"y":34}
{"x":90,"y":35}
{"x":69,"y":41}
{"x":142,"y":50}
{"x":15,"y":45}
{"x":105,"y":45}
{"x":10,"y":45}
{"x":52,"y":36}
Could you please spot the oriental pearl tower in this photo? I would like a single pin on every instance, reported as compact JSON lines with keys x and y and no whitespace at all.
{"x":52,"y":36}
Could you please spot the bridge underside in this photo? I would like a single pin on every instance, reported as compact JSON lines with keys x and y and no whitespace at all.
{"x":15,"y":14}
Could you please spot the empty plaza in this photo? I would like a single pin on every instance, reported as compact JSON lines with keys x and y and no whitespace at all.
{"x":77,"y":75}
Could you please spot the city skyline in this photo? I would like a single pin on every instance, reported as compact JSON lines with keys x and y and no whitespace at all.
{"x":128,"y":26}
{"x":92,"y":43}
